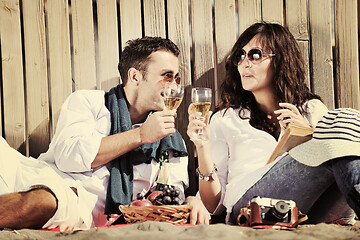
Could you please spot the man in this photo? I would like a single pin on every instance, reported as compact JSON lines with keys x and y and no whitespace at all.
{"x":121,"y":132}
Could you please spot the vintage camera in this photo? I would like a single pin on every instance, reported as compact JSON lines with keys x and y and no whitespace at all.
{"x":268,"y":211}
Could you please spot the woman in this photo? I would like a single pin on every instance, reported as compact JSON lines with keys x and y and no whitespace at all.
{"x":264,"y":90}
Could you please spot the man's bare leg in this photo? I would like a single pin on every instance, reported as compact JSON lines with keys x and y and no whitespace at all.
{"x":31,"y":209}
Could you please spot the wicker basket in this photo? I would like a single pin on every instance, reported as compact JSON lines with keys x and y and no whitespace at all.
{"x":176,"y":214}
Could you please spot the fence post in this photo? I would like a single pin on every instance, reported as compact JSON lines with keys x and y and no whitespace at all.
{"x":346,"y":54}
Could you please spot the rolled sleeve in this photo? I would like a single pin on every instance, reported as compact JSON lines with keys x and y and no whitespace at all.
{"x":84,"y":121}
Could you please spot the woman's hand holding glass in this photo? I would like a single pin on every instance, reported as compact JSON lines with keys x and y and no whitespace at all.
{"x":196,"y":125}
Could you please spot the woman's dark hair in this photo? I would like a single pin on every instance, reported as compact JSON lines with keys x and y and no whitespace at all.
{"x":289,"y":74}
{"x":136,"y":53}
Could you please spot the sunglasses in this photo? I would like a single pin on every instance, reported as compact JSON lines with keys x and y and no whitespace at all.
{"x":168,"y":77}
{"x":254,"y":55}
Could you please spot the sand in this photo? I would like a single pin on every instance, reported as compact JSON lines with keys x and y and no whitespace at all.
{"x":162,"y":231}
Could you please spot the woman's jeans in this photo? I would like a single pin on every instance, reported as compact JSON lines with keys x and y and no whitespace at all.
{"x":324,"y":192}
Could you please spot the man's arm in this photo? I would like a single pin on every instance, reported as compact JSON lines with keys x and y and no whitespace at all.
{"x":81,"y":141}
{"x":156,"y":126}
{"x":116,"y":145}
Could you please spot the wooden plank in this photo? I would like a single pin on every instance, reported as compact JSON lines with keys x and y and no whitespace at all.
{"x":225,"y":37}
{"x":297,"y":23}
{"x":347,"y":55}
{"x":1,"y":98}
{"x":83,"y":44}
{"x":12,"y":74}
{"x":154,"y":18}
{"x":321,"y":65}
{"x":37,"y":102}
{"x":304,"y":47}
{"x":179,"y":33}
{"x":296,"y":18}
{"x":130,"y":20}
{"x":202,"y":45}
{"x":58,"y":33}
{"x":108,"y":47}
{"x":248,"y":13}
{"x":273,"y":11}
{"x":202,"y":38}
{"x":1,"y":102}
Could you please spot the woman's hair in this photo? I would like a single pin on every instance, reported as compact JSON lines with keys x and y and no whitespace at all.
{"x":289,"y":74}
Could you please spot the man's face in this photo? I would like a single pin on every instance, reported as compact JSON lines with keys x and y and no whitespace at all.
{"x":161,"y":65}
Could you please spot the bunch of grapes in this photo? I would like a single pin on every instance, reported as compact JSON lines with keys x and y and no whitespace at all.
{"x":170,"y":196}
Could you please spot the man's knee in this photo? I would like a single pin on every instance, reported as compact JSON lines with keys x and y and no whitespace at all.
{"x":39,"y":203}
{"x":45,"y":199}
{"x":31,"y":209}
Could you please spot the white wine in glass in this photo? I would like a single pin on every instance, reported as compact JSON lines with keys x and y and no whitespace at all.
{"x":173,"y":95}
{"x":202,"y":107}
{"x":172,"y":102}
{"x":201,"y":99}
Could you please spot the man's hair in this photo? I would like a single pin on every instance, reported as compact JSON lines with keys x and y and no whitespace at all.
{"x":289,"y":74}
{"x":136,"y":53}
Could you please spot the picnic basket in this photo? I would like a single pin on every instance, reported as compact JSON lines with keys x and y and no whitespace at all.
{"x":175,"y":214}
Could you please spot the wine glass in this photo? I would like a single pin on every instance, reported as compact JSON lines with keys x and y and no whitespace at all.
{"x":173,"y":95}
{"x":201,"y":99}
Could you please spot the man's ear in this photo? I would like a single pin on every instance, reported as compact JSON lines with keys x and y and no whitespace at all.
{"x":134,"y":76}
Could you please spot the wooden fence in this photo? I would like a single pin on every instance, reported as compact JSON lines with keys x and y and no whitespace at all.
{"x":50,"y":48}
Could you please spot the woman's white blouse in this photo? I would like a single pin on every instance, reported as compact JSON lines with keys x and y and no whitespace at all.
{"x":84,"y":120}
{"x":241,"y":151}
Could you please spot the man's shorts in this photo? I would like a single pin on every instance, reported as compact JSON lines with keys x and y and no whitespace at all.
{"x":19,"y":173}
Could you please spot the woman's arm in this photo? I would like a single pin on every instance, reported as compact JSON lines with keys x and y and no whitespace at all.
{"x":210,"y":191}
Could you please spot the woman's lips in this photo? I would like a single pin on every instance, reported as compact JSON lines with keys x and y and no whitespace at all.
{"x":247,"y":75}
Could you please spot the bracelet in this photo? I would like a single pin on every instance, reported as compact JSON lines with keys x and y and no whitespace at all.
{"x":206,"y":177}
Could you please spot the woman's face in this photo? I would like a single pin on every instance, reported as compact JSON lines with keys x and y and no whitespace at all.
{"x":256,"y":76}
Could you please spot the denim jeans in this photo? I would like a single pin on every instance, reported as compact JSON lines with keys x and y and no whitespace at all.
{"x":321,"y":192}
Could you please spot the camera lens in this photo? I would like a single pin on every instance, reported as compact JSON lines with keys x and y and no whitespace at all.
{"x":242,"y":219}
{"x":280,"y":210}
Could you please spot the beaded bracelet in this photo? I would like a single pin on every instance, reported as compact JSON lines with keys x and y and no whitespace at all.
{"x":206,"y":177}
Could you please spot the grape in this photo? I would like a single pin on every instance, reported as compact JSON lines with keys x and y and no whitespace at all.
{"x":139,"y":196}
{"x":176,"y":192}
{"x":170,"y":195}
{"x":165,"y":187}
{"x":176,"y":201}
{"x":167,"y":200}
{"x":167,"y":192}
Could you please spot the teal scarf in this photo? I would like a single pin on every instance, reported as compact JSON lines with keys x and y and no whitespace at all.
{"x":120,"y":187}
